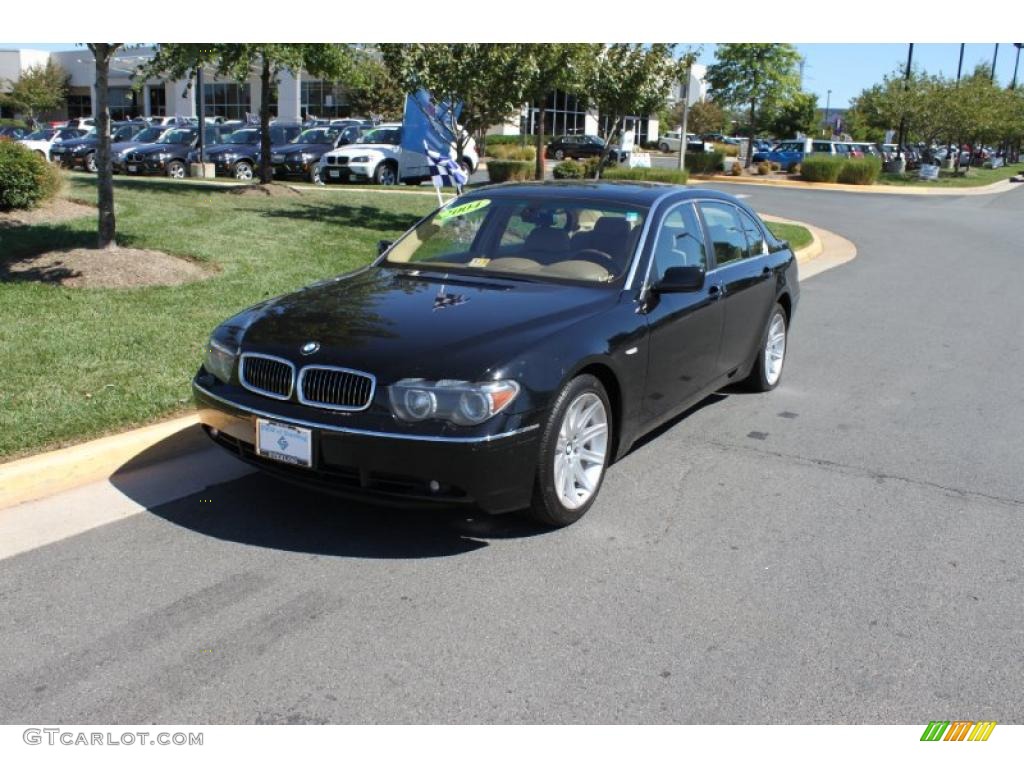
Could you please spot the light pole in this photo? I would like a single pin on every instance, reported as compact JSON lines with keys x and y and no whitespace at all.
{"x":903,"y":118}
{"x":995,"y":55}
{"x":682,"y":129}
{"x":828,"y":110}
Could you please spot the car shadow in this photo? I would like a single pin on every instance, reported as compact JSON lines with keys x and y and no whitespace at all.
{"x":712,"y":399}
{"x":258,"y":510}
{"x":20,"y":243}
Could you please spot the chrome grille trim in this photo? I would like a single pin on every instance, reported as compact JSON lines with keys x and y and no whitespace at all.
{"x":353,"y":391}
{"x":268,"y":375}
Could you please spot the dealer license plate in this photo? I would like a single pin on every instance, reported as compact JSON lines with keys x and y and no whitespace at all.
{"x":334,"y":174}
{"x":283,"y":442}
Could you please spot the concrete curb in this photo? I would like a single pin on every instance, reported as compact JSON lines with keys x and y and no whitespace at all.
{"x":995,"y":188}
{"x":808,"y":252}
{"x":49,"y":473}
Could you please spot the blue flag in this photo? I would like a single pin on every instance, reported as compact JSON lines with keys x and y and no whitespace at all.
{"x":428,"y":124}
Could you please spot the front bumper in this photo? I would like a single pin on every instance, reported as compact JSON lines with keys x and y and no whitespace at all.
{"x":495,"y":473}
{"x":292,"y":167}
{"x":148,"y":166}
{"x":339,"y":174}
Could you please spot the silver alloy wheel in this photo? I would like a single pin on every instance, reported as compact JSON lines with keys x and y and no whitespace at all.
{"x":387,"y":176}
{"x":580,"y":450}
{"x":559,"y":154}
{"x":775,"y":349}
{"x":176,"y":170}
{"x":243,"y":172}
{"x":90,"y":162}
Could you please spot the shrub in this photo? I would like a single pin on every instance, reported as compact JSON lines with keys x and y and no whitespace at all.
{"x":860,"y":170}
{"x":796,"y":168}
{"x":729,"y":150}
{"x":11,"y":123}
{"x":737,"y":169}
{"x":667,"y":175}
{"x":26,"y":179}
{"x":703,"y":163}
{"x":821,"y":168}
{"x":512,"y":152}
{"x":570,"y":169}
{"x":590,"y":164}
{"x":776,"y":167}
{"x":509,"y":170}
{"x":763,"y":169}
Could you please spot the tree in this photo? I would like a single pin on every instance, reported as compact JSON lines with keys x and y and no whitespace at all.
{"x":103,"y":53}
{"x":488,"y":79}
{"x":39,"y":88}
{"x":704,"y":117}
{"x":548,"y":67}
{"x":759,"y":75}
{"x":798,"y":114}
{"x":632,"y":79}
{"x":373,"y":91}
{"x":238,"y":61}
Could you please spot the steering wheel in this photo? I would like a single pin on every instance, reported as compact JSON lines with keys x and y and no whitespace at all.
{"x":594,"y":256}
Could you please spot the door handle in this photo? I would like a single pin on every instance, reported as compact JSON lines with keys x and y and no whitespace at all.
{"x":766,"y":271}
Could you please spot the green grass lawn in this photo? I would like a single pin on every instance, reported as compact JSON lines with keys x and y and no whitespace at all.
{"x":978,"y":177}
{"x":78,"y":363}
{"x":797,"y":236}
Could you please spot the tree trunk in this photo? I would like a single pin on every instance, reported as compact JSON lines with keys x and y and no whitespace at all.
{"x":539,"y":169}
{"x":102,"y":53}
{"x":616,"y":131}
{"x":266,"y":169}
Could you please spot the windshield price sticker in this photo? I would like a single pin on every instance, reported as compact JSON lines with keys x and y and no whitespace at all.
{"x":462,"y":210}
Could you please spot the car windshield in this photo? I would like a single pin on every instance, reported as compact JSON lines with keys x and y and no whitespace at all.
{"x":147,"y":135}
{"x":317,"y":136}
{"x":244,"y":136}
{"x":532,"y":238}
{"x":40,"y":136}
{"x":392,"y":136}
{"x":177,"y":136}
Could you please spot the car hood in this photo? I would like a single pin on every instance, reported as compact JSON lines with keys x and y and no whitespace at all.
{"x":367,"y":147}
{"x":395,"y":324}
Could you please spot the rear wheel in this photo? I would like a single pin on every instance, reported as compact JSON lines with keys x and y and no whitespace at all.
{"x":767,"y":370}
{"x":574,"y":451}
{"x":90,"y":162}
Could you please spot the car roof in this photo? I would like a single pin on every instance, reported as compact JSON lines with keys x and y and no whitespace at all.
{"x":638,"y":192}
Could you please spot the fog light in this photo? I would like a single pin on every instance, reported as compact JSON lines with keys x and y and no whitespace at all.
{"x":434,"y":486}
{"x":214,"y":431}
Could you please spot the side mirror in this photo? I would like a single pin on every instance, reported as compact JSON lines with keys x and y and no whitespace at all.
{"x":680,"y":280}
{"x":383,"y":245}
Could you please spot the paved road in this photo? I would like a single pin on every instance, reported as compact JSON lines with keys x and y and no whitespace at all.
{"x":844,"y":550}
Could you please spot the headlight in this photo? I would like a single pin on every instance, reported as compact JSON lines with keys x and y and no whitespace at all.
{"x":306,"y":157}
{"x":163,"y":156}
{"x":220,"y":359}
{"x":360,"y":159}
{"x":459,"y":402}
{"x":228,"y":157}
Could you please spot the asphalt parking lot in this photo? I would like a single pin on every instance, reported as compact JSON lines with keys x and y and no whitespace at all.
{"x":845,"y":549}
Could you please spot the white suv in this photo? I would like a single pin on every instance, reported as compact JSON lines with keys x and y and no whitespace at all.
{"x":378,"y":158}
{"x":669,"y":142}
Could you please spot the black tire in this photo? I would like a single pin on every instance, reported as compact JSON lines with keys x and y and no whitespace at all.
{"x":412,"y":182}
{"x":243,"y":171}
{"x":466,"y":166}
{"x":176,"y":169}
{"x":664,"y":147}
{"x":546,"y":507}
{"x":385,"y":174}
{"x":759,"y":380}
{"x":90,"y":162}
{"x":559,"y":154}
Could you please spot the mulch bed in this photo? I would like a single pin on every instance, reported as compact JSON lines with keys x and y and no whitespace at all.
{"x":107,"y":268}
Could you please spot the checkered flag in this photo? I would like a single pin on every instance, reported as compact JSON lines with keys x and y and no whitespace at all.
{"x":252,"y":118}
{"x":444,"y":171}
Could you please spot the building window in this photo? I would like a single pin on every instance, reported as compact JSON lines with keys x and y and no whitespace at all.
{"x":158,"y":100}
{"x":321,"y":99}
{"x":228,"y":100}
{"x":634,"y":123}
{"x":79,"y":105}
{"x":563,"y":115}
{"x":122,"y":103}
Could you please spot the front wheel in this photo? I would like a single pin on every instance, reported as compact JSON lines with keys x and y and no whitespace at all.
{"x":767,"y":370}
{"x":664,"y":147}
{"x":176,"y":169}
{"x":559,"y":154}
{"x":385,"y":175}
{"x":243,"y":171}
{"x":575,"y":449}
{"x":90,"y":162}
{"x":315,"y":176}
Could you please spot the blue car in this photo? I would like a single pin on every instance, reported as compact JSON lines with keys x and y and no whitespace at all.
{"x":786,"y":154}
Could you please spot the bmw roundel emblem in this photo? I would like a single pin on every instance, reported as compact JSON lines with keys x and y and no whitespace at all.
{"x":310,"y":347}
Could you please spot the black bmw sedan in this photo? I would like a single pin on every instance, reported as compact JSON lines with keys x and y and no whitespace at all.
{"x":506,"y":349}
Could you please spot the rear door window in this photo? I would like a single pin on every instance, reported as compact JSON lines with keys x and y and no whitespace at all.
{"x":728,"y":240}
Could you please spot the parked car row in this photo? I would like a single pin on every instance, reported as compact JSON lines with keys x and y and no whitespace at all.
{"x":793,"y":151}
{"x":580,"y":147}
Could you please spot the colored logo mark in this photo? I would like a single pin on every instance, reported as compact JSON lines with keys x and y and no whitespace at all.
{"x":958,"y":730}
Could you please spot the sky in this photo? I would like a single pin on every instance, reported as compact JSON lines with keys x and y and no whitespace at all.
{"x":844,"y":68}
